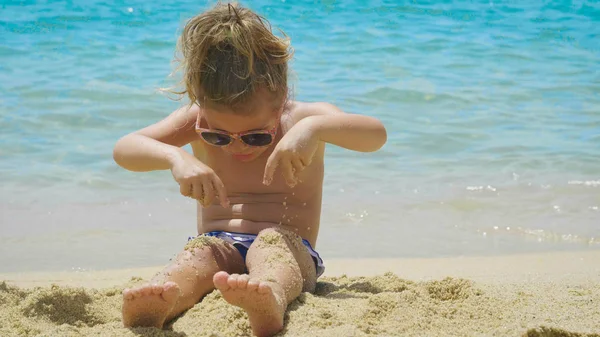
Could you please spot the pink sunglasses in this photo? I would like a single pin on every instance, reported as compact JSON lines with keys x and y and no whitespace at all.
{"x":258,"y":138}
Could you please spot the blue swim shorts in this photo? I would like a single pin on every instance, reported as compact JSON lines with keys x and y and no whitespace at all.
{"x":242,"y":242}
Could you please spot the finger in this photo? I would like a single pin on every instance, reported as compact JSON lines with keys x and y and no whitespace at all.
{"x":298,"y":165}
{"x":184,"y":189}
{"x":209,"y":192}
{"x":221,"y":191}
{"x":288,"y":172}
{"x":272,"y":164}
{"x":197,"y":191}
{"x":306,"y":162}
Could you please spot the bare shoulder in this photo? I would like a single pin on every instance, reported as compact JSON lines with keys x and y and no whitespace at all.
{"x":178,"y":128}
{"x":300,"y":110}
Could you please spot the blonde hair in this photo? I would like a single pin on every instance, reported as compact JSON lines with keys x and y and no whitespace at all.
{"x":228,"y":53}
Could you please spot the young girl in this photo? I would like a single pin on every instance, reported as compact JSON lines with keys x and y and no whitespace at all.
{"x":256,"y":171}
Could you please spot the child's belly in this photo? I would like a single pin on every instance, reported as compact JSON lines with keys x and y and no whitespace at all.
{"x":252,"y":216}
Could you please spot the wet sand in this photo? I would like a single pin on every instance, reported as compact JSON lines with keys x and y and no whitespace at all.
{"x":554,"y":294}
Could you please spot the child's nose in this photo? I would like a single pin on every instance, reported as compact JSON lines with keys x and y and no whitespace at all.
{"x":238,"y":145}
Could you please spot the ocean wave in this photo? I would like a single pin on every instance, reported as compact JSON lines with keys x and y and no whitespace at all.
{"x":590,"y":183}
{"x":387,"y":93}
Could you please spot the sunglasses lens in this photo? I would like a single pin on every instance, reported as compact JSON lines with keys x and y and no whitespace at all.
{"x":216,"y":138}
{"x":257,"y":139}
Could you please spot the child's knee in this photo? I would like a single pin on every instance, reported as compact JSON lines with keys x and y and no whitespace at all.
{"x":201,"y":243}
{"x":270,"y":237}
{"x":279,"y":237}
{"x":282,"y":241}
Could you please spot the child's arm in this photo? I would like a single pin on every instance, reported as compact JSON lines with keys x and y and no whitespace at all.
{"x":321,"y":122}
{"x":157,"y":146}
{"x":350,"y":131}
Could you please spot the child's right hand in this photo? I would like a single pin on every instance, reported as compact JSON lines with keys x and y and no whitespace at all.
{"x":198,"y":181}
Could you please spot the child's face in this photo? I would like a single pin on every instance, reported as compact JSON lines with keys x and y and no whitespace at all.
{"x":262,"y":117}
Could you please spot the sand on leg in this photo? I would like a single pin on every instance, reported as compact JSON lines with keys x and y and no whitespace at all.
{"x":280,"y":268}
{"x":181,"y":284}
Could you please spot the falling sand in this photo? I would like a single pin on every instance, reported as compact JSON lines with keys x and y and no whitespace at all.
{"x":383,"y":305}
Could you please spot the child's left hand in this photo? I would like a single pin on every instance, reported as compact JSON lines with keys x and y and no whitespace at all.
{"x":293,"y":153}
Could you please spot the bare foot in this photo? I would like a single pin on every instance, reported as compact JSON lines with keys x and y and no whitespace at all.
{"x":263,"y":301}
{"x":149,"y":304}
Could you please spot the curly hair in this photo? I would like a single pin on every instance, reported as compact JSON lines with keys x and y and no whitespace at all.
{"x":228,"y":53}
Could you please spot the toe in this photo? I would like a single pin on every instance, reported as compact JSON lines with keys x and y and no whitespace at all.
{"x":156,"y":289}
{"x":220,"y":280}
{"x":136,"y":293}
{"x":146,"y":290}
{"x":242,"y":281}
{"x":127,"y":295}
{"x":170,"y":291}
{"x":264,"y":287}
{"x":252,"y":285}
{"x":232,"y":281}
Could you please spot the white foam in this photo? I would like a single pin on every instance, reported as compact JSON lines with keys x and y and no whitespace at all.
{"x":592,"y":183}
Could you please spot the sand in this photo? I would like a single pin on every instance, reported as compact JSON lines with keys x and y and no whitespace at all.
{"x":531,"y":295}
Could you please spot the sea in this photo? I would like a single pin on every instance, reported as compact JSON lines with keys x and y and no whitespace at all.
{"x":492,"y":110}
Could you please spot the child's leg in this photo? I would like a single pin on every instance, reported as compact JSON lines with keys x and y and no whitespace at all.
{"x":181,"y":284}
{"x":280,"y":269}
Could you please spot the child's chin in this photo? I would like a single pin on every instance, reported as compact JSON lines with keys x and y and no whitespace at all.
{"x":245,"y":158}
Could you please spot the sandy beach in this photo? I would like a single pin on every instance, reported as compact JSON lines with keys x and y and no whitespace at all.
{"x":491,"y":160}
{"x":553,"y":294}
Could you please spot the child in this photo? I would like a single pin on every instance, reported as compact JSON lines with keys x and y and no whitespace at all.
{"x":256,"y":171}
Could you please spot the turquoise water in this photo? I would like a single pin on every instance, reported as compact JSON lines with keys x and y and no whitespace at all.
{"x":492,"y":111}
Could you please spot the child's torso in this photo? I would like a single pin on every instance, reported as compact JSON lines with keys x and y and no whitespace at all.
{"x":255,"y":206}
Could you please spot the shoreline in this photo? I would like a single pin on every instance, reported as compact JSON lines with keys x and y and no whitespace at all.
{"x":551,"y":266}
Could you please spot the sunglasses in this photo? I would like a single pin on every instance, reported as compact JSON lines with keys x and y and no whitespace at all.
{"x":257,"y":138}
